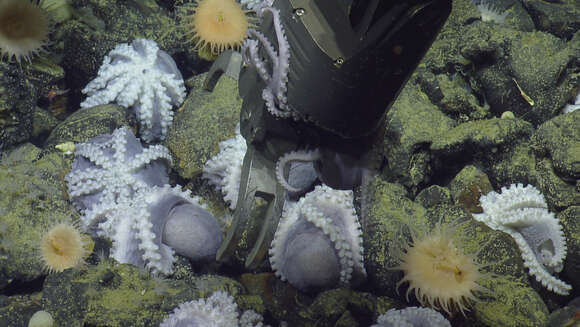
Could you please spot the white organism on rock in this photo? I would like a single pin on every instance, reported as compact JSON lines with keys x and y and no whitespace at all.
{"x":570,"y":107}
{"x":521,"y":211}
{"x":412,"y":317}
{"x":490,"y":12}
{"x":137,"y":227}
{"x":219,"y":310}
{"x":143,"y":77}
{"x":224,"y":170}
{"x":256,"y":4}
{"x":318,"y":242}
{"x":109,"y":169}
{"x":271,"y":64}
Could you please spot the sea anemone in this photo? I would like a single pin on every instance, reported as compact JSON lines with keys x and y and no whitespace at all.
{"x":490,"y":12}
{"x":215,"y":25}
{"x":24,"y":29}
{"x":63,"y":247}
{"x":442,"y":276}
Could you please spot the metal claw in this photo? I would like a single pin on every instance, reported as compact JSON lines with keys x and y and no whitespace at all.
{"x":228,"y":63}
{"x":260,"y":199}
{"x":260,"y":203}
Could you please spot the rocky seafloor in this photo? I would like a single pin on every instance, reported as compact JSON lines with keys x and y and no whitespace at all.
{"x":482,"y":111}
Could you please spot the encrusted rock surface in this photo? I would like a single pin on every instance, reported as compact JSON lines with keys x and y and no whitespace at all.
{"x":204,"y":120}
{"x":467,"y":186}
{"x":16,"y":106}
{"x":562,"y":20}
{"x":481,"y":135}
{"x":559,"y":140}
{"x":571,"y":223}
{"x":514,"y":304}
{"x":413,"y":124}
{"x":388,"y":210}
{"x":85,"y":124}
{"x":111,"y":294}
{"x":32,"y":198}
{"x":101,"y":25}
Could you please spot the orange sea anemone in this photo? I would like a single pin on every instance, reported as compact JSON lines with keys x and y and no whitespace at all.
{"x":24,"y":29}
{"x":63,"y":247}
{"x":441,"y":275}
{"x":215,"y":25}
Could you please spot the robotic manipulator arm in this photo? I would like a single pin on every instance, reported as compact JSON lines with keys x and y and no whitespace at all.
{"x":319,"y":76}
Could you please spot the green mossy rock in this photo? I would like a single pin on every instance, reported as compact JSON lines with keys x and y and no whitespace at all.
{"x":204,"y":120}
{"x":481,"y":135}
{"x":510,"y":304}
{"x":32,"y":199}
{"x":121,"y":295}
{"x":412,"y":123}
{"x":386,"y":209}
{"x":85,"y":124}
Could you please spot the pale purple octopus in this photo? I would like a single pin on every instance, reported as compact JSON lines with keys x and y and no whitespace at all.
{"x":123,"y":194}
{"x":318,"y":243}
{"x":110,"y":169}
{"x":142,"y":77}
{"x":276,"y":76}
